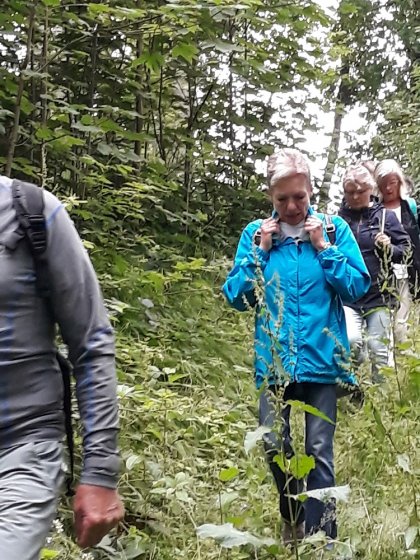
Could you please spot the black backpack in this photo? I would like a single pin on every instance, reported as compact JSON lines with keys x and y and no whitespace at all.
{"x":28,"y":202}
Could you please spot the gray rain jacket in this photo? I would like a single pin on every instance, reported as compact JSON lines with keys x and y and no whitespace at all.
{"x":31,"y":386}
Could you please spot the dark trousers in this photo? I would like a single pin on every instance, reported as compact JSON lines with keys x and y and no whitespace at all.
{"x":319,"y":436}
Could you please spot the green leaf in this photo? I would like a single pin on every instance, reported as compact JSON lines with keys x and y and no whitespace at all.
{"x":299,"y":405}
{"x":44,"y":133}
{"x":34,"y":74}
{"x":410,"y":536}
{"x":131,"y":461}
{"x":51,"y":3}
{"x":228,"y":536}
{"x":47,"y":553}
{"x":187,"y":51}
{"x":228,"y":474}
{"x":86,"y":128}
{"x":225,"y":499}
{"x":152,"y":60}
{"x":251,"y":438}
{"x":177,"y":376}
{"x":404,"y":462}
{"x":378,"y":420}
{"x":339,"y":493}
{"x":301,"y":465}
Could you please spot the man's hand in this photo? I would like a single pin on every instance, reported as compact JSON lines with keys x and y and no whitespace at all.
{"x":96,"y":511}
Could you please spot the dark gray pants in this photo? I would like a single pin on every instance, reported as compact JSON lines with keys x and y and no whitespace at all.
{"x":319,"y":436}
{"x":31,"y":477}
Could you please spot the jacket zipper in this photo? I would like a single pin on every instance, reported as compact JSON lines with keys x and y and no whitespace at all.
{"x":295,"y":349}
{"x":358,"y":228}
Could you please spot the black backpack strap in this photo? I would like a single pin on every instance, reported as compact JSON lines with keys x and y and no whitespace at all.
{"x":66,"y":371}
{"x":330,"y":229}
{"x":28,"y":202}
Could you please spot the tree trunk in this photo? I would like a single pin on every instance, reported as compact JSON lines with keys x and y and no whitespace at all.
{"x":324,"y":191}
{"x":21,"y":86}
{"x":44,"y":102}
{"x":139,"y":95}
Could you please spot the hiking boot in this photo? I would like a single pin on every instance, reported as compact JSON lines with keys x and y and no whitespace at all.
{"x":292,"y":534}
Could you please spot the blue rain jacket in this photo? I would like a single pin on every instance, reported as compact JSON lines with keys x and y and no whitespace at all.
{"x":300,"y":330}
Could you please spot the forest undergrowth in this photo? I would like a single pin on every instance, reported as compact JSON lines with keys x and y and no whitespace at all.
{"x":188,"y":401}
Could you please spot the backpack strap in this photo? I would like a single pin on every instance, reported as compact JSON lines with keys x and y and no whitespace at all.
{"x":330,"y":229}
{"x":28,"y":202}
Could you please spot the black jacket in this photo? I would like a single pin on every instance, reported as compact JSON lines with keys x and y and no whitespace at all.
{"x":365,"y":225}
{"x":410,"y":225}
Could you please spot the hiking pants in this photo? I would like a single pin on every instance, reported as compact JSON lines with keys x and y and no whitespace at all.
{"x":319,"y":436}
{"x":31,"y":477}
{"x":377,"y":322}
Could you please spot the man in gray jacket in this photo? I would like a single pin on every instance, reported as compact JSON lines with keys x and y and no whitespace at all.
{"x":31,"y":388}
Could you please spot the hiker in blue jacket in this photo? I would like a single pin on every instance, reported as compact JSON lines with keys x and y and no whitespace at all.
{"x":286,"y":267}
{"x":383,"y":242}
{"x":393,"y":193}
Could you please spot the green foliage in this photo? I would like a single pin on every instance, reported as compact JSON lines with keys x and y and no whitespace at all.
{"x":399,"y":135}
{"x":153,"y":112}
{"x":188,"y":405}
{"x":147,"y":119}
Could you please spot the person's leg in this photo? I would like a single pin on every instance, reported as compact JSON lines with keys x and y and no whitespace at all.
{"x":277,"y":442}
{"x":354,"y":326}
{"x":403,"y":312}
{"x":378,"y":327}
{"x":30,"y":481}
{"x":319,"y":442}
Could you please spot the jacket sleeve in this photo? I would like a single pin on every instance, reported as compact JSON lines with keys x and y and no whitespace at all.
{"x":400,"y":240}
{"x":343,"y":264}
{"x":81,"y":316}
{"x":240,"y":283}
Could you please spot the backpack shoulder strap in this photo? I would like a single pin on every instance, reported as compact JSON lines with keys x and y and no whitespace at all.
{"x":330,"y":229}
{"x":28,"y":202}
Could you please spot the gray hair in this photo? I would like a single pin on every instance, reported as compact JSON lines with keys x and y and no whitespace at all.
{"x":286,"y":163}
{"x":388,"y":167}
{"x":359,"y":175}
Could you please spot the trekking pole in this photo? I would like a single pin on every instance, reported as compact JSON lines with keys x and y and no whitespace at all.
{"x":383,"y":221}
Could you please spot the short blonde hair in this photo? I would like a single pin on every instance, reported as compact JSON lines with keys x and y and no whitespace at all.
{"x":388,"y":167}
{"x":359,"y":175}
{"x":286,"y":163}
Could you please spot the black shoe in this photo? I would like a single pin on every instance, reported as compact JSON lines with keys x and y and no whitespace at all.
{"x":292,"y":534}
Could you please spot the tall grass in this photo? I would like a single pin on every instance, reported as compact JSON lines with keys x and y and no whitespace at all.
{"x":187,"y":400}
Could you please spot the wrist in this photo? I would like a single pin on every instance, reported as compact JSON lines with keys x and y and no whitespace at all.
{"x":265,"y":248}
{"x":324,"y":245}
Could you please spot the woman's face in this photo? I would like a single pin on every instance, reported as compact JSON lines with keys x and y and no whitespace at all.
{"x":290,"y":198}
{"x":357,"y":196}
{"x":390,"y":187}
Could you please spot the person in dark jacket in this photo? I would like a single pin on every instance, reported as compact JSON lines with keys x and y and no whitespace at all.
{"x":382,"y":241}
{"x":393,"y":193}
{"x":286,"y":267}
